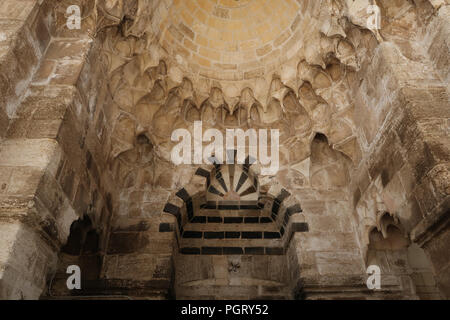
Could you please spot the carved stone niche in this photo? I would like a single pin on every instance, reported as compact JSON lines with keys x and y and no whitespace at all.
{"x":391,"y":250}
{"x":232,"y":184}
{"x":329,"y":168}
{"x":387,"y":249}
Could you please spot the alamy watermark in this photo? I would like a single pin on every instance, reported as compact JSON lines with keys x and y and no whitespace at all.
{"x":74,"y":280}
{"x":74,"y":17}
{"x":190,"y":150}
{"x":374,"y":280}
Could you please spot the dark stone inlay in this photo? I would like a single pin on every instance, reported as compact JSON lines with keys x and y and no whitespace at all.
{"x":219,"y":174}
{"x":121,"y":242}
{"x":249,"y":207}
{"x":283,"y":195}
{"x":214,"y":219}
{"x":254,"y":250}
{"x":166,"y":227}
{"x":213,"y":190}
{"x":265,"y":220}
{"x":300,"y":227}
{"x":214,"y":235}
{"x":251,"y":235}
{"x":192,"y":234}
{"x":251,"y":220}
{"x":242,"y":180}
{"x":272,"y":235}
{"x":275,"y":250}
{"x":233,"y":220}
{"x":183,"y":194}
{"x":189,"y":250}
{"x":212,"y":250}
{"x":211,"y":205}
{"x":294,"y":209}
{"x":232,"y":235}
{"x":190,"y":208}
{"x":219,"y":178}
{"x":249,"y":190}
{"x":275,"y":207}
{"x":172,"y":209}
{"x":233,"y":250}
{"x":202,"y":172}
{"x":231,"y":170}
{"x":199,"y":219}
{"x":179,"y":221}
{"x":228,"y":207}
{"x":286,"y":219}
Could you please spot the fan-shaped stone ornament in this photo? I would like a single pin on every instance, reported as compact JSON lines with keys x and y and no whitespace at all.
{"x":232,"y":184}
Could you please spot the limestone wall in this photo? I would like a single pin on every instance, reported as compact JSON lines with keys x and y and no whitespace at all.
{"x":86,"y":118}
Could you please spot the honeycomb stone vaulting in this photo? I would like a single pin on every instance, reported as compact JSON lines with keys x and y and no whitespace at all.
{"x":86,"y":121}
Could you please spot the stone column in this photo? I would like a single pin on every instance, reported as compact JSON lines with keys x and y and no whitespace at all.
{"x":43,"y":158}
{"x":407,"y":158}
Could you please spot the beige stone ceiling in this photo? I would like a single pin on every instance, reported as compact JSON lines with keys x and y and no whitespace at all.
{"x":166,"y":62}
{"x":263,"y":63}
{"x":231,"y":44}
{"x":230,"y":38}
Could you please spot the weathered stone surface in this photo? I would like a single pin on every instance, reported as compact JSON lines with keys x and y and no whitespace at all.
{"x":86,"y":118}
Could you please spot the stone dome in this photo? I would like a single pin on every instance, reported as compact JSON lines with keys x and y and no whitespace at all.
{"x":229,"y":38}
